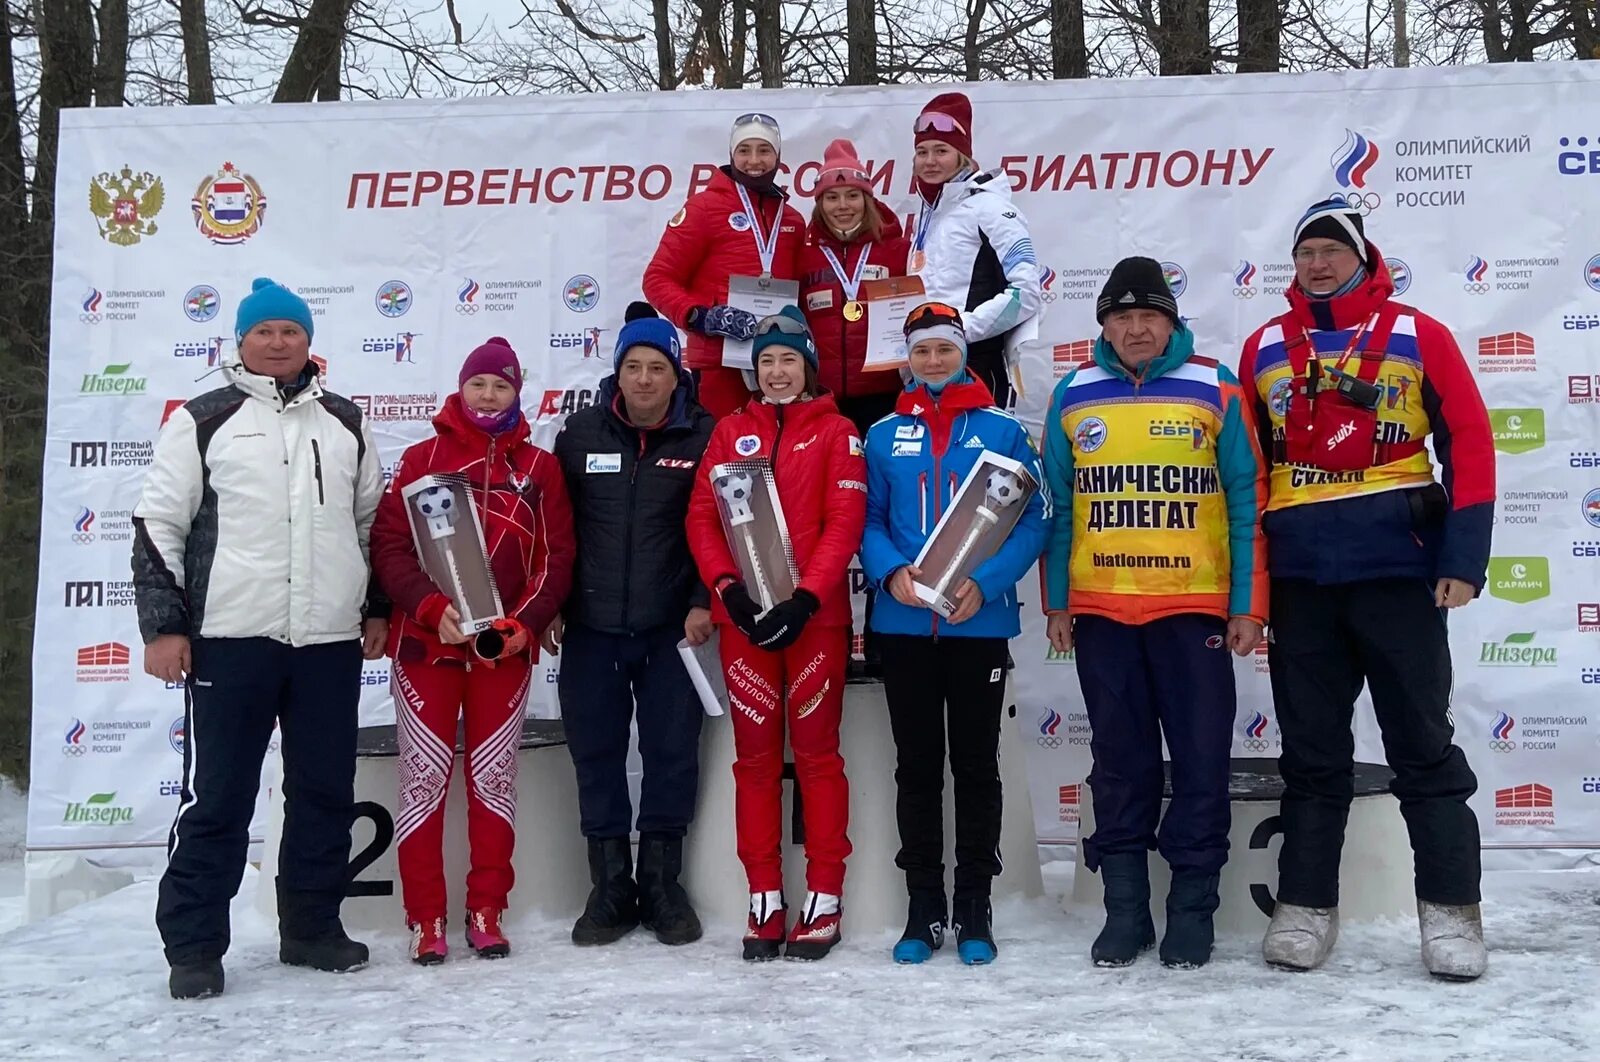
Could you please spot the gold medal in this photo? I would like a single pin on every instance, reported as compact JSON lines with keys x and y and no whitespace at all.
{"x":854,"y":311}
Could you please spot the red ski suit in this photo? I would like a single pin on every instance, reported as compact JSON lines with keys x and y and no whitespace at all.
{"x":707,"y":241}
{"x":842,"y":344}
{"x":521,"y":500}
{"x":821,"y":476}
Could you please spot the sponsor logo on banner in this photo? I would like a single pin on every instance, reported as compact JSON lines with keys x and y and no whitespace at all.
{"x":561,"y":403}
{"x":1049,"y":722}
{"x":467,"y":297}
{"x":1244,"y":279}
{"x":103,"y":662}
{"x":1526,"y":506}
{"x":96,"y":593}
{"x":1068,"y":356}
{"x":1269,"y":278}
{"x":170,"y":788}
{"x":201,"y":303}
{"x":1591,"y":273}
{"x":399,"y":345}
{"x":1503,"y":733}
{"x":1518,"y":650}
{"x":125,"y":204}
{"x":1580,"y":322}
{"x":73,"y":744}
{"x":491,"y":296}
{"x":1506,"y":352}
{"x":101,"y":809}
{"x":1177,"y":279}
{"x":393,"y":298}
{"x":1517,"y":431}
{"x":1052,"y":655}
{"x":83,"y":526}
{"x":89,"y":307}
{"x":1255,"y":733}
{"x":115,"y":304}
{"x":1477,"y":273}
{"x":1589,"y":676}
{"x":1591,"y":785}
{"x":1582,"y":390}
{"x":320,"y":296}
{"x":1525,"y":805}
{"x":581,"y":294}
{"x":1351,"y":162}
{"x":419,"y":407}
{"x":1047,"y":284}
{"x":379,"y":677}
{"x":1586,"y":549}
{"x":587,"y":340}
{"x":229,"y":206}
{"x":114,"y":381}
{"x":1519,"y":579}
{"x":1068,"y":800}
{"x":1589,"y":617}
{"x":1577,"y":157}
{"x":1583,"y":459}
{"x":209,"y":348}
{"x":177,"y":735}
{"x":1400,"y":273}
{"x":1591,"y":507}
{"x":104,"y":737}
{"x":104,"y":453}
{"x":1263,"y":664}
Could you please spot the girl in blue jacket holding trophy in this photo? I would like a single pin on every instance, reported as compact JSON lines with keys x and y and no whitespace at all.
{"x":945,"y":673}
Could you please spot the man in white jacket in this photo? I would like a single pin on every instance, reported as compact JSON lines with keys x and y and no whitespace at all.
{"x":251,"y":579}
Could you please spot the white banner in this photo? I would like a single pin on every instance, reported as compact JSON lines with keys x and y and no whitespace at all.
{"x":418,"y":229}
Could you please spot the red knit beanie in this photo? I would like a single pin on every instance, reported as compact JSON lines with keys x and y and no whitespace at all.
{"x":495,"y":358}
{"x":952,"y":111}
{"x":842,"y":169}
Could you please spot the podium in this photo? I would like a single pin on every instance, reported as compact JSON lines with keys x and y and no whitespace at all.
{"x":1375,"y":873}
{"x":874,"y":888}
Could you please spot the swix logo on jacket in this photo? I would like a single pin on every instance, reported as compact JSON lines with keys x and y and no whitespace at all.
{"x":917,"y":458}
{"x":526,"y":519}
{"x":1159,"y":487}
{"x":823,"y":512}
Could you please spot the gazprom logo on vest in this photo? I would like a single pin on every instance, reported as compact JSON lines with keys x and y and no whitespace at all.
{"x":1400,"y":273}
{"x":1351,"y":163}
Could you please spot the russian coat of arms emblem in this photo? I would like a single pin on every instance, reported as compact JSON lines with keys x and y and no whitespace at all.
{"x":125,"y":205}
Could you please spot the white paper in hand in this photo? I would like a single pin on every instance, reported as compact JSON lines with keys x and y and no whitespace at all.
{"x":704,"y":665}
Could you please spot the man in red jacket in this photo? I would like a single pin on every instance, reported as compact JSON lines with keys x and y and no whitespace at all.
{"x":787,"y":663}
{"x":521,"y":498}
{"x":740,"y":225}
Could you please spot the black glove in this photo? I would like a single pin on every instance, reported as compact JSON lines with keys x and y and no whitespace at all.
{"x":741,"y":609}
{"x":781,"y":627}
{"x":726,"y":321}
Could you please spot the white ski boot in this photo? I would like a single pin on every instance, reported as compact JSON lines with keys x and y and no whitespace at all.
{"x":1300,"y":938}
{"x":1452,"y":940}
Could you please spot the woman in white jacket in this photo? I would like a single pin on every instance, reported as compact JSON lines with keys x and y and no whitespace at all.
{"x":971,"y":245}
{"x":250,"y":576}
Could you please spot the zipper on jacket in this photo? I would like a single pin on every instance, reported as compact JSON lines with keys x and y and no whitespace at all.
{"x":627,"y":554}
{"x":776,"y":440}
{"x":316,"y":464}
{"x":937,"y":508}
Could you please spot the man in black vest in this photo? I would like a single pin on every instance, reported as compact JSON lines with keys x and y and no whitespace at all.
{"x":630,"y":462}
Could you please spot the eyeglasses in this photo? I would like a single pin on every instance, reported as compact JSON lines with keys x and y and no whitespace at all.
{"x":782,"y":323}
{"x":756,"y":116}
{"x":938,"y":123}
{"x":1306,"y":255}
{"x":932,"y":313}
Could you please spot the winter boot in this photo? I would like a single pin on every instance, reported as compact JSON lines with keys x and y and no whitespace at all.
{"x":484,"y":935}
{"x":1191,"y":901}
{"x":1129,"y":928}
{"x":663,"y":905}
{"x":332,"y":952}
{"x":974,"y":938}
{"x":1452,"y":940}
{"x":925,"y":923}
{"x":196,"y":980}
{"x":613,"y":907}
{"x":816,"y":931}
{"x":1300,"y":938}
{"x":763,"y":935}
{"x":428,"y":946}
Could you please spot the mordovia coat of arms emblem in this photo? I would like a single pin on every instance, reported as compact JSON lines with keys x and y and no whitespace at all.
{"x":229,"y":206}
{"x":124,"y":205}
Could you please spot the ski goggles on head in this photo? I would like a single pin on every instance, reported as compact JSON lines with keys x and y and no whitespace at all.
{"x":756,"y":118}
{"x":930,"y":314}
{"x":938,"y":123}
{"x":782,"y":323}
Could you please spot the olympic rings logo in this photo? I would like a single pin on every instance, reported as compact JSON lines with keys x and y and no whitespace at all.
{"x":1048,"y":742}
{"x":1476,"y":289}
{"x":466,"y":309}
{"x":1503,"y":746}
{"x":1363,"y":203}
{"x":1048,"y":296}
{"x":90,"y":318}
{"x":1244,"y":293}
{"x":82,"y":539}
{"x":1257,"y":744}
{"x":74,"y":750}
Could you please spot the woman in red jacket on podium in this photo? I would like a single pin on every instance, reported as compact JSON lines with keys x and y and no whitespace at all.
{"x":786,"y":666}
{"x":440,"y":675}
{"x":740,"y":225}
{"x":852,"y":238}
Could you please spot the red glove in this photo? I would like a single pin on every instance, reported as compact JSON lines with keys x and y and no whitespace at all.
{"x":431,"y":612}
{"x":507,"y":637}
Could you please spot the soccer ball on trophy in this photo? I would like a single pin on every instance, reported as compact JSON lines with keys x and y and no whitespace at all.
{"x":438,"y":506}
{"x":736,"y":489}
{"x":1002,"y":490}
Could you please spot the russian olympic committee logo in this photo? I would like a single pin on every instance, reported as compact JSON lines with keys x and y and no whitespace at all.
{"x":1255,"y":733}
{"x":1049,"y":723}
{"x":467,"y":297}
{"x":1502,"y":734}
{"x":1476,"y":272}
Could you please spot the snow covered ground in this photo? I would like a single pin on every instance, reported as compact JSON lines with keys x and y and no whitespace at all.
{"x":90,"y":984}
{"x":13,"y":833}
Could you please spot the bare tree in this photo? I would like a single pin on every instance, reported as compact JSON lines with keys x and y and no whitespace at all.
{"x":1585,"y":17}
{"x":1069,"y":54}
{"x":111,"y":58}
{"x":1260,"y":41}
{"x":666,"y":56}
{"x":1514,"y":30}
{"x":971,"y":54}
{"x":1184,"y":41}
{"x":861,"y":43}
{"x":317,"y":48}
{"x":196,"y":51}
{"x":769,"y":42}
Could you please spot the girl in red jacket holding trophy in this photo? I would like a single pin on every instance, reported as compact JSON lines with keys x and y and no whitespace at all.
{"x":441,"y":673}
{"x":785,"y":664}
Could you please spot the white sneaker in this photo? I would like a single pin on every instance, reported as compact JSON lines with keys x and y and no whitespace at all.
{"x":1300,"y":938}
{"x":1452,"y":940}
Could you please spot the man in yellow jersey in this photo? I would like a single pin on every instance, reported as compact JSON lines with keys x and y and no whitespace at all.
{"x":1155,"y":568}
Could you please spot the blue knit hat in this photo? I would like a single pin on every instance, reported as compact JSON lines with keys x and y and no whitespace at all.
{"x":770,"y":332}
{"x":270,"y":301}
{"x":646,"y":328}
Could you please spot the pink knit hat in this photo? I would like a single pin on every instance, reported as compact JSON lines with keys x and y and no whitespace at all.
{"x":495,"y":358}
{"x":842,"y":169}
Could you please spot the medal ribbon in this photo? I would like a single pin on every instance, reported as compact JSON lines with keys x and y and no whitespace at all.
{"x":766,"y":245}
{"x":851,"y":284}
